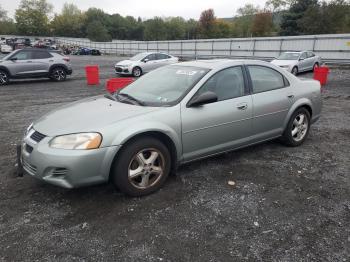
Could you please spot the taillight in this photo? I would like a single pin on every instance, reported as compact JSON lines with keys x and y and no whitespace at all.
{"x":66,"y":59}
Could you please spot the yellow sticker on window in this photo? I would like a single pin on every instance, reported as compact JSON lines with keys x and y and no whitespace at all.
{"x":348,"y":43}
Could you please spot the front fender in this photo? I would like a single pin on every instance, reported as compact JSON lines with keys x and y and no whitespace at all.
{"x":136,"y":129}
{"x":299,"y":103}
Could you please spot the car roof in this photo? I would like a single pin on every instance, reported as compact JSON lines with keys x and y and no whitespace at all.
{"x":221,"y":63}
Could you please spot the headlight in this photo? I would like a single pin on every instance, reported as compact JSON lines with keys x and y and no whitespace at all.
{"x":77,"y":141}
{"x":28,"y":129}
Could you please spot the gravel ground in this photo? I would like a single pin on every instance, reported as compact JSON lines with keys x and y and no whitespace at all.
{"x":288,"y":204}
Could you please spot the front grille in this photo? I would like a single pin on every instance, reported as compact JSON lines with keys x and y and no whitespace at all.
{"x":37,"y":137}
{"x":29,"y":148}
{"x":118,"y":69}
{"x":29,"y":168}
{"x":60,"y":171}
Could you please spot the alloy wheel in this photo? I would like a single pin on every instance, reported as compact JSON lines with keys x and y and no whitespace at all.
{"x":137,"y":72}
{"x":3,"y":78}
{"x":146,"y":168}
{"x":300,"y":127}
{"x":59,"y":74}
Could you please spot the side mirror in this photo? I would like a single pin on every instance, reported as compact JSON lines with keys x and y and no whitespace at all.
{"x":13,"y":59}
{"x":145,"y":60}
{"x":205,"y":98}
{"x":301,"y":59}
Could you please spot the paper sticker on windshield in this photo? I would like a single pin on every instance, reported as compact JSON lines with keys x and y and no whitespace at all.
{"x":184,"y":72}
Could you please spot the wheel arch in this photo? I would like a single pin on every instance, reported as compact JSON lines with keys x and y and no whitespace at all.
{"x":3,"y":68}
{"x":52,"y":67}
{"x":299,"y":104}
{"x":161,"y":136}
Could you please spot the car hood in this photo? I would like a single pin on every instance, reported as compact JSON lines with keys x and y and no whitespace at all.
{"x":283,"y":62}
{"x":87,"y":115}
{"x":125,"y":62}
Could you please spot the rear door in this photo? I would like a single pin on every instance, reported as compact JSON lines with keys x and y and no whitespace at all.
{"x":303,"y":62}
{"x":219,"y":126}
{"x":272,"y":98}
{"x":42,"y":60}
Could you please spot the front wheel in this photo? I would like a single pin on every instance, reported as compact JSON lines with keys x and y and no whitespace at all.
{"x":295,"y":71}
{"x":136,"y":72}
{"x":4,"y":78}
{"x":316,"y":65}
{"x":142,"y":167}
{"x":298,"y":128}
{"x":58,"y":74}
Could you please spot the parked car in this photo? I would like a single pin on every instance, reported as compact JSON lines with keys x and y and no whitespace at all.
{"x":144,"y":63}
{"x":5,"y":49}
{"x":33,"y":63}
{"x":95,"y":52}
{"x":296,"y":62}
{"x":173,"y":115}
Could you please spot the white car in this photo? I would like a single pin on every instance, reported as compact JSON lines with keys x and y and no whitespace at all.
{"x":6,"y":49}
{"x":143,"y":63}
{"x":296,"y":62}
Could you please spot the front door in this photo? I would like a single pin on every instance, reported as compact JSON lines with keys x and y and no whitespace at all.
{"x":219,"y":126}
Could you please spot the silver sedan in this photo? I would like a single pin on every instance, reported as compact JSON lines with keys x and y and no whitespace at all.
{"x":173,"y":115}
{"x":144,"y":63}
{"x":296,"y":62}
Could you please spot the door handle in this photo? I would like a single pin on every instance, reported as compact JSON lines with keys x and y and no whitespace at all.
{"x":29,"y":61}
{"x":242,"y":106}
{"x":291,"y":96}
{"x":50,"y":60}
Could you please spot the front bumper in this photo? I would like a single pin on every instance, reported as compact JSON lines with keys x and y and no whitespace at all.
{"x":122,"y":70}
{"x":66,"y":168}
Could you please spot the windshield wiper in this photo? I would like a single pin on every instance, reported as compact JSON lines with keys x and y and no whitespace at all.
{"x":129,"y":97}
{"x":110,"y":97}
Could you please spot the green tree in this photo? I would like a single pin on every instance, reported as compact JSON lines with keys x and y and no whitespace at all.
{"x":155,"y":29}
{"x":245,"y":19}
{"x":32,"y":17}
{"x":69,"y":22}
{"x":290,"y":24}
{"x":97,"y":32}
{"x":176,"y":28}
{"x":7,"y":26}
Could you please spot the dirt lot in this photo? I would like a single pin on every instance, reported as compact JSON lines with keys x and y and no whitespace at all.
{"x":288,"y":204}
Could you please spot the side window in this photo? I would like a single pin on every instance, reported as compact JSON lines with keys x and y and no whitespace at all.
{"x":162,"y":56}
{"x":310,"y":54}
{"x":265,"y":79}
{"x":151,"y":57}
{"x":23,"y":55}
{"x":226,"y":84}
{"x":303,"y":56}
{"x":42,"y":55}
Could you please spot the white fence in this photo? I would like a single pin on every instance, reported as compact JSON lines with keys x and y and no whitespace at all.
{"x":332,"y":48}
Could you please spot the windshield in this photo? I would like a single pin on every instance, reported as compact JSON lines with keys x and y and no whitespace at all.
{"x":289,"y":56}
{"x":164,"y":86}
{"x":138,"y":57}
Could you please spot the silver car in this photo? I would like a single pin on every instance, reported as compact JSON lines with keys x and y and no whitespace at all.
{"x":296,"y":62}
{"x":144,"y":63}
{"x":173,"y":115}
{"x":34,"y":63}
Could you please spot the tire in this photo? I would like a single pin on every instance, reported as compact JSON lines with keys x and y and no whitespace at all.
{"x":298,"y":128}
{"x":315,"y":66}
{"x":58,"y":74}
{"x":152,"y":160}
{"x":136,"y":71}
{"x":4,"y":78}
{"x":295,"y":71}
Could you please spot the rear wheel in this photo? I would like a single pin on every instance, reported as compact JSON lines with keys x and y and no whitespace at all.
{"x":298,"y":128}
{"x":142,"y":167}
{"x":136,"y":71}
{"x":58,"y":74}
{"x":295,"y":70}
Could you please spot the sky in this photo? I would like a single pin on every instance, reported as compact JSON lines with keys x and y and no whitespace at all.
{"x":149,"y":8}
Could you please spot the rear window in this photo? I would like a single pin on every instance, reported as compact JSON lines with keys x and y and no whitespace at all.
{"x":42,"y":55}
